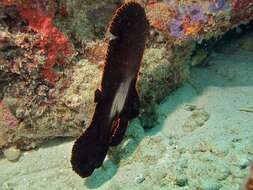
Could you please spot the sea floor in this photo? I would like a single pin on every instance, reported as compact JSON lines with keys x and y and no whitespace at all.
{"x":203,"y":139}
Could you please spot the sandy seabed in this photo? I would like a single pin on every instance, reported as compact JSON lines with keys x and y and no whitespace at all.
{"x":203,"y":139}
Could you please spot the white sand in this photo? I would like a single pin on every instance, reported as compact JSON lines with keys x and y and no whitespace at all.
{"x":203,"y":141}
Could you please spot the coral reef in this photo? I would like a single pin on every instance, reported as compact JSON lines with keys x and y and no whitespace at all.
{"x":32,"y":48}
{"x":47,"y":74}
{"x":194,"y":20}
{"x":88,"y":20}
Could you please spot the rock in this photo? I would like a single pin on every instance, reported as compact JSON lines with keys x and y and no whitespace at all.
{"x":244,"y":161}
{"x":197,"y":119}
{"x":181,"y":181}
{"x":12,"y":154}
{"x":140,"y":178}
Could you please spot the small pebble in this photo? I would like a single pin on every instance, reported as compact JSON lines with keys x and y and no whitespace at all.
{"x":224,"y":173}
{"x":244,"y":162}
{"x":140,"y":178}
{"x":181,"y":181}
{"x":12,"y":154}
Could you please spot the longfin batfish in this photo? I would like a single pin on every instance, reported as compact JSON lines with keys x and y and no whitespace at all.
{"x":117,"y":100}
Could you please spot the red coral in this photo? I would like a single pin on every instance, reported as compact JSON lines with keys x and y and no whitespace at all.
{"x":158,"y":24}
{"x":151,"y":3}
{"x":53,"y":42}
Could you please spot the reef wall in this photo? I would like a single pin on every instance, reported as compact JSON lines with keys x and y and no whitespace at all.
{"x":51,"y":55}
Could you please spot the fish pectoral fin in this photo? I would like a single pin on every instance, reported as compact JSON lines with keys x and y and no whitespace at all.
{"x":97,"y":95}
{"x":118,"y":131}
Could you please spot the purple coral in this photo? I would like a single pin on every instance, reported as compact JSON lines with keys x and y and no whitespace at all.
{"x":176,"y":28}
{"x":217,"y":5}
{"x":196,"y":13}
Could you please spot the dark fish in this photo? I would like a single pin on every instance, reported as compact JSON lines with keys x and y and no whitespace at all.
{"x":117,"y":100}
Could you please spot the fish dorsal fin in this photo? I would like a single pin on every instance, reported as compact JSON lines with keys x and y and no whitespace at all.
{"x":131,"y":13}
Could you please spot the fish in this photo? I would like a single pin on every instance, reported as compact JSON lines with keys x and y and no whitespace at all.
{"x":117,"y":100}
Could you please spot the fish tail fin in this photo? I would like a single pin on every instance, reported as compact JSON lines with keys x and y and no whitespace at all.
{"x":88,"y":152}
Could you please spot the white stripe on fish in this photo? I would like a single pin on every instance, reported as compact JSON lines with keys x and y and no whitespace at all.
{"x":120,"y":97}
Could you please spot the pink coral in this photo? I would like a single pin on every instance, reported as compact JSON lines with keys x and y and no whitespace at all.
{"x":7,"y":117}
